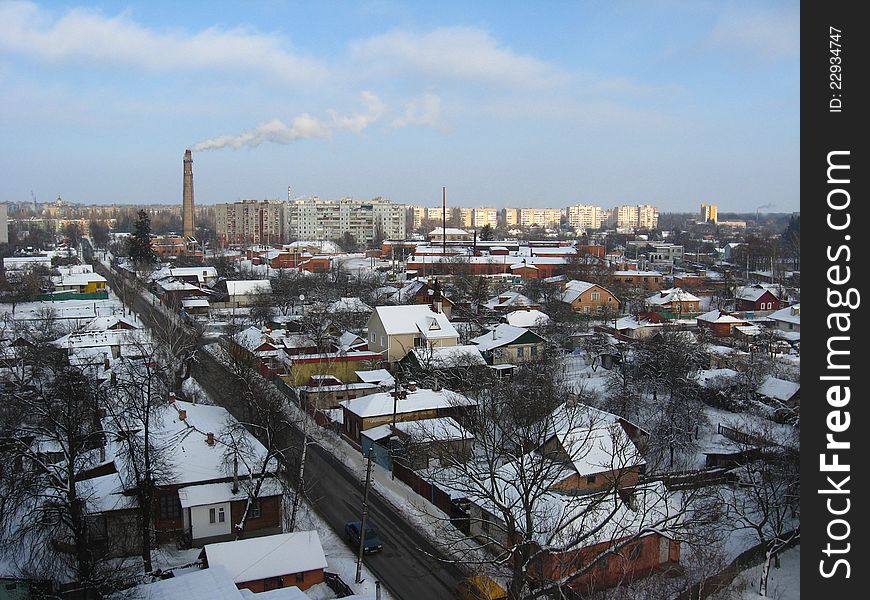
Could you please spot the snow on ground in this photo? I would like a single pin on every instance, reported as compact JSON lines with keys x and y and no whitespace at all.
{"x":78,"y":311}
{"x":783,"y":583}
{"x":194,"y":392}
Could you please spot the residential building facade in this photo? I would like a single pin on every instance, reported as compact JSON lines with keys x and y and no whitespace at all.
{"x":251,"y":222}
{"x":317,"y":219}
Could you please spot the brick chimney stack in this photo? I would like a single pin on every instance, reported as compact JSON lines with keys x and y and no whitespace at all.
{"x":187,"y":200}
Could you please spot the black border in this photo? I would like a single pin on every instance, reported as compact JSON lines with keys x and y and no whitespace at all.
{"x":823,"y":131}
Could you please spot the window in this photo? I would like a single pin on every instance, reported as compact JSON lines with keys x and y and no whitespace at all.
{"x":300,"y":577}
{"x":520,"y":352}
{"x":211,"y":515}
{"x":590,"y":479}
{"x":596,"y":296}
{"x":534,"y":350}
{"x":221,"y":515}
{"x":169,"y":507}
{"x":256,"y":509}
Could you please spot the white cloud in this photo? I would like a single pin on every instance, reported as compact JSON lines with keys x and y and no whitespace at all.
{"x":302,"y":127}
{"x":455,"y":53}
{"x":769,"y":35}
{"x":421,"y":111}
{"x":87,"y":36}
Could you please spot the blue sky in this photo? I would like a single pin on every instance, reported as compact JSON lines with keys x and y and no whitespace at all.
{"x":504,"y":103}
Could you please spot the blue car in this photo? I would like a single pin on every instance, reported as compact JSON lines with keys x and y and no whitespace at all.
{"x":372,"y":542}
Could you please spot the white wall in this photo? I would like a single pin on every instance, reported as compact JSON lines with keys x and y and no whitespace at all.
{"x":202,"y":528}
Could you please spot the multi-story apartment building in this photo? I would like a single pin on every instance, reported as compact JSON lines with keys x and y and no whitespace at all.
{"x":511,"y":217}
{"x":430,"y":214}
{"x":485,"y":216}
{"x":542,"y":217}
{"x":709,"y":212}
{"x":641,"y":216}
{"x":586,"y":216}
{"x":251,"y":222}
{"x":318,"y":219}
{"x":4,"y":225}
{"x":463,"y":217}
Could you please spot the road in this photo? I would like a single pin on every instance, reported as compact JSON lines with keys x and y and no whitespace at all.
{"x":405,"y":567}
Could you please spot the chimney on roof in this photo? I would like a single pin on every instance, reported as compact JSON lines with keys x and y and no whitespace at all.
{"x":209,"y":438}
{"x":412,"y":386}
{"x":172,"y":398}
{"x":182,"y":415}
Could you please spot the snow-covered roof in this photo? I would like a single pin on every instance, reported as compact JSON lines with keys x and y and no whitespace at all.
{"x":527,"y":318}
{"x":789,"y":314}
{"x":501,"y":335}
{"x":249,"y":338}
{"x":201,"y":273}
{"x":214,"y":493}
{"x":105,"y":494}
{"x":195,"y":303}
{"x":638,"y":273}
{"x":413,"y":319}
{"x":103,"y":323}
{"x":778,"y":389}
{"x":672,"y":295}
{"x":507,"y":299}
{"x":718,"y":316}
{"x":594,"y":440}
{"x":81,"y":279}
{"x":287,"y":593}
{"x":441,"y":429}
{"x":213,"y":583}
{"x":349,"y":305}
{"x":449,"y":231}
{"x":258,"y":558}
{"x":381,"y":376}
{"x":755,"y":291}
{"x":446,"y":357}
{"x":249,"y":286}
{"x":381,"y":403}
{"x":707,"y":377}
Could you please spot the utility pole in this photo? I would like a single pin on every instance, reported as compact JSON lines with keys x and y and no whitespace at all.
{"x":362,"y":524}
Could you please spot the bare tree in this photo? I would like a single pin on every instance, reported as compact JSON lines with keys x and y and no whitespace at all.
{"x":766,"y":497}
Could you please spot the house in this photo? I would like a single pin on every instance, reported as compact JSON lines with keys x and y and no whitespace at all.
{"x":396,"y":330}
{"x":324,"y":392}
{"x":341,"y":365}
{"x":89,"y":283}
{"x":205,"y":499}
{"x":271,"y":562}
{"x":588,"y":298}
{"x":506,"y":344}
{"x":780,"y":390}
{"x":719,"y":323}
{"x":202,"y":276}
{"x":600,"y":450}
{"x":412,"y":404}
{"x":453,"y":366}
{"x":173,"y":292}
{"x":787,"y":320}
{"x":674,"y":302}
{"x":247,"y":292}
{"x":417,"y":443}
{"x":639,"y":327}
{"x":758,"y":297}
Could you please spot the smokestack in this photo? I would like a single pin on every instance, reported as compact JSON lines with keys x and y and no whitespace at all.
{"x":443,"y":223}
{"x":187,"y":204}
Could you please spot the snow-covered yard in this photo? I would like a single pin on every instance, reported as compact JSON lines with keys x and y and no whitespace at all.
{"x":783,"y":583}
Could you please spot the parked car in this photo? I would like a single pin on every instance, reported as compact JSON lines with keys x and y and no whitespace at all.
{"x":372,"y":542}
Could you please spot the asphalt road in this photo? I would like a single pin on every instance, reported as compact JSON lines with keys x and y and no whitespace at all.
{"x":405,"y":567}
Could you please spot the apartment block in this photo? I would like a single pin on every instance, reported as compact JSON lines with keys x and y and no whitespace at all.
{"x":586,"y":216}
{"x":251,"y":222}
{"x":485,"y":216}
{"x":317,"y":219}
{"x":542,"y":217}
{"x":709,"y":212}
{"x":641,"y":216}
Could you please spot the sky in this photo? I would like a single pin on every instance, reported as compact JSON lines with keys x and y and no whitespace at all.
{"x":509,"y":103}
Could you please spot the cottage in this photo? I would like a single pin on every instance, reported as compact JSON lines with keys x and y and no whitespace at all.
{"x":396,"y":330}
{"x":674,"y":303}
{"x":412,"y":404}
{"x":588,"y":298}
{"x":506,"y":344}
{"x":247,"y":292}
{"x":759,"y":297}
{"x":271,"y":562}
{"x":719,"y":323}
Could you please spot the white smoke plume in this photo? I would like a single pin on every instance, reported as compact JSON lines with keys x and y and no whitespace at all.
{"x":303,"y":127}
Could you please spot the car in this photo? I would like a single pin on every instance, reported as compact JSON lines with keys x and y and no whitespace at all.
{"x":372,"y":542}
